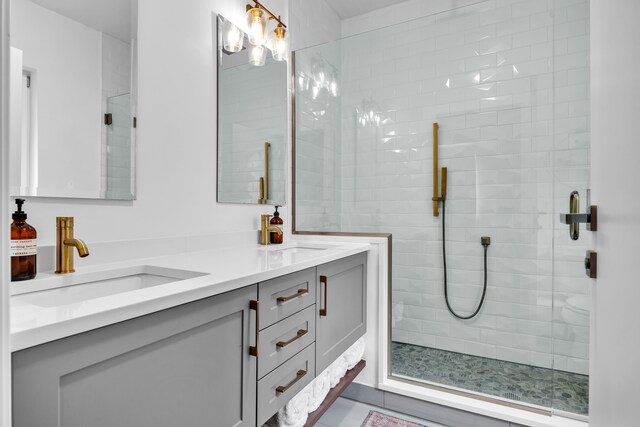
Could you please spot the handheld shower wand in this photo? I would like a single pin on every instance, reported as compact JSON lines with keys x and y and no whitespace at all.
{"x":485,"y":241}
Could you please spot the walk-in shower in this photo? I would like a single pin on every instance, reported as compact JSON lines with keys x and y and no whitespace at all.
{"x":508,"y":83}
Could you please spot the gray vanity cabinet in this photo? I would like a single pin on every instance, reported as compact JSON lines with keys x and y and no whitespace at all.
{"x":341,"y":308}
{"x":187,"y":366}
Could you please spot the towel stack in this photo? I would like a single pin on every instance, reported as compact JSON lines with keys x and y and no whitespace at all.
{"x":296,"y":411}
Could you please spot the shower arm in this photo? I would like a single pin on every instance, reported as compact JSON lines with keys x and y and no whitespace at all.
{"x":443,"y":192}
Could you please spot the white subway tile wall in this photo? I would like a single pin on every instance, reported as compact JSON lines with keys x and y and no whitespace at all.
{"x":508,"y":83}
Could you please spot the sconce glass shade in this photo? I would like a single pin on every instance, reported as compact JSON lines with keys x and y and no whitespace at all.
{"x":257,"y":24}
{"x":257,"y":55}
{"x":233,"y":37}
{"x":279,"y":44}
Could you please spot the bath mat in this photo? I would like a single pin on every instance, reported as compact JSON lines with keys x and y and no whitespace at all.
{"x":377,"y":419}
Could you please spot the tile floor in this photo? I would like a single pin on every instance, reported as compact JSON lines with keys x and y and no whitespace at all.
{"x":564,"y":391}
{"x":349,"y":413}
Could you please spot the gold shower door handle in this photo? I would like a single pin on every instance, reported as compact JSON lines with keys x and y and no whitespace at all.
{"x":574,"y":218}
{"x":574,"y":208}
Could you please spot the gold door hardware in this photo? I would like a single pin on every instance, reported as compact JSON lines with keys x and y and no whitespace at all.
{"x":443,"y":193}
{"x":264,"y":180}
{"x":591,"y":264}
{"x":265,"y":228}
{"x":65,"y":242}
{"x":255,"y":305}
{"x":108,"y":119}
{"x":299,"y":334}
{"x":574,"y":207}
{"x":271,"y":15}
{"x":323,"y":280}
{"x":574,"y":219}
{"x":282,"y":389}
{"x":298,"y":294}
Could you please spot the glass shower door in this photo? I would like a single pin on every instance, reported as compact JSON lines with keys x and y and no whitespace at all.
{"x":507,"y":83}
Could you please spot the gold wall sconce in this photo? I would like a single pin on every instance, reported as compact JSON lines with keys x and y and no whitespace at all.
{"x":257,"y":20}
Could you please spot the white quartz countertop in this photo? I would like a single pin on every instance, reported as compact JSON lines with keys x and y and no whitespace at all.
{"x":222,"y":270}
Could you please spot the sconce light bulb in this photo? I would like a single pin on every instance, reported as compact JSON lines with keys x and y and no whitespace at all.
{"x":279,"y":44}
{"x":257,"y":55}
{"x":257,"y":26}
{"x":234,"y":38}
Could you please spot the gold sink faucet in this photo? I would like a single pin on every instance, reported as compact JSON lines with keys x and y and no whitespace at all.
{"x":65,"y":242}
{"x":265,"y":228}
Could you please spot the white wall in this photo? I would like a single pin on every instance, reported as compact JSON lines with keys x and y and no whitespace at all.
{"x":176,"y":167}
{"x":615,"y":376}
{"x":65,"y":59}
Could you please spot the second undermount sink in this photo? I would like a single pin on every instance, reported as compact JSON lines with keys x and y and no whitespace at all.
{"x":74,"y":288}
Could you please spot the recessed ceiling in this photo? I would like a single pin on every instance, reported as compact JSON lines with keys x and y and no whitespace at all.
{"x":350,"y":8}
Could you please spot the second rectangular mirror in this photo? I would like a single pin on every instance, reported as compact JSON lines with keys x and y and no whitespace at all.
{"x":252,"y":120}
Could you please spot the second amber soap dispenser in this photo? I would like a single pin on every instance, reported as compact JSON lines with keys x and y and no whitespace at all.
{"x":276,"y":238}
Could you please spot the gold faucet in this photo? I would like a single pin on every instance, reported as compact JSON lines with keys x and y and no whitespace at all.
{"x":265,"y":228}
{"x":65,"y":242}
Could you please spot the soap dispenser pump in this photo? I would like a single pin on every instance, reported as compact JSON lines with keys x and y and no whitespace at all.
{"x":24,"y":247}
{"x":274,"y":237}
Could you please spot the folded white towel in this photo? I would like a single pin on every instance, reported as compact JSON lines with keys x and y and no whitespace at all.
{"x":296,"y":411}
{"x":321,"y":387}
{"x":337,"y":370}
{"x":354,"y":354}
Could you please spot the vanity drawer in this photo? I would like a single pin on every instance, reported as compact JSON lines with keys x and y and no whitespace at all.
{"x":284,"y":339}
{"x":278,"y":387}
{"x":283,"y":296}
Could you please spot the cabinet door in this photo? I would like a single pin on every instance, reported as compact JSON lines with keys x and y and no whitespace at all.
{"x":187,"y":366}
{"x":341,"y":313}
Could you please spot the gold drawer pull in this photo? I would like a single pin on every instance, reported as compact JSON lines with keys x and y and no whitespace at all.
{"x":255,"y":305}
{"x":296,"y":295}
{"x":300,"y":334}
{"x":323,"y":280}
{"x":283,"y":388}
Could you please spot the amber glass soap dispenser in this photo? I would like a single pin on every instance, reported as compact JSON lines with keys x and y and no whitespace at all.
{"x":24,"y":246}
{"x":278,"y":222}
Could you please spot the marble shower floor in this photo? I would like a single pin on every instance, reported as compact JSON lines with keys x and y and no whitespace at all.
{"x":559,"y":390}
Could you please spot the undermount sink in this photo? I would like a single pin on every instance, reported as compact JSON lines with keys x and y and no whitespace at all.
{"x":74,"y":288}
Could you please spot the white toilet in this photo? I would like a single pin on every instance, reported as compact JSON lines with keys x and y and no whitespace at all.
{"x":576,"y":310}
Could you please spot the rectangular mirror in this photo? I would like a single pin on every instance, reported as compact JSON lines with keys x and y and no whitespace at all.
{"x":252,"y":121}
{"x":72,"y":98}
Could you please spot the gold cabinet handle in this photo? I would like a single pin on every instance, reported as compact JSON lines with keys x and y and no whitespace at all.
{"x":255,"y":305}
{"x":283,"y":388}
{"x":300,"y":334}
{"x":323,"y":311}
{"x":290,"y":297}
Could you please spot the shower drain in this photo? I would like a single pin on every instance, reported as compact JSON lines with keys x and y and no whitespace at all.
{"x":512,"y":396}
